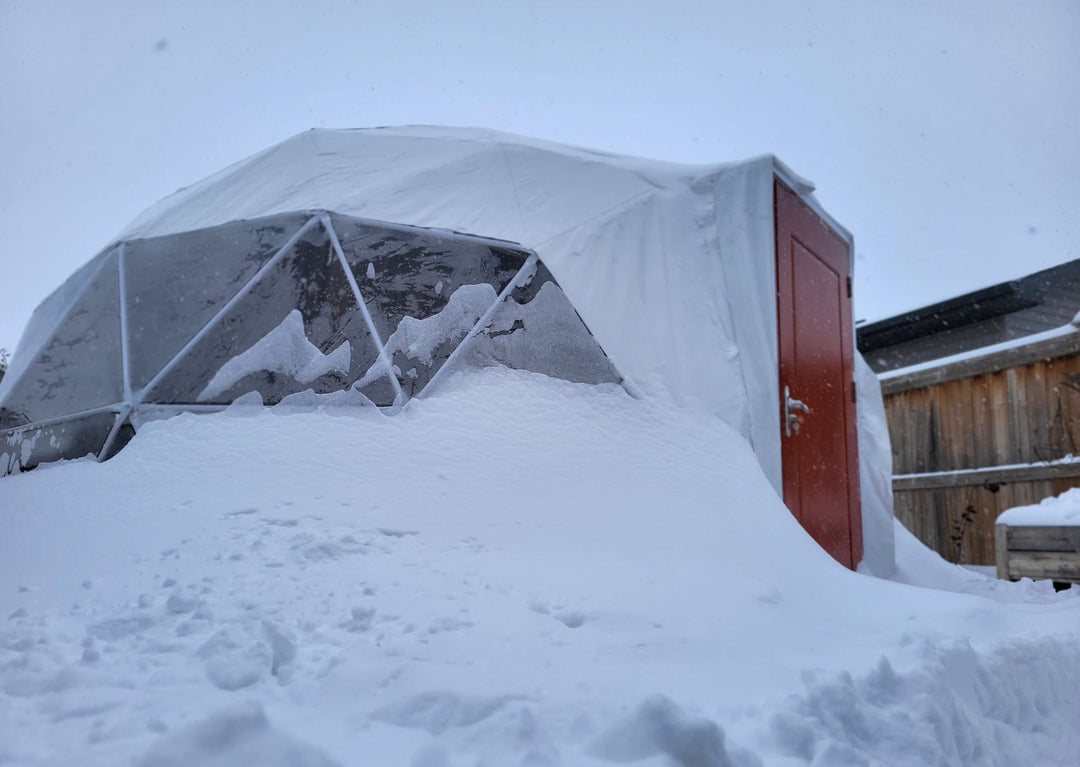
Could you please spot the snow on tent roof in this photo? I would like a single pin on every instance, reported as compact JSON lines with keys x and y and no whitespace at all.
{"x":670,"y":266}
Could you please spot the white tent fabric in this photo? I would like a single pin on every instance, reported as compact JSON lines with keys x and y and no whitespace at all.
{"x":670,"y":266}
{"x":875,"y":474}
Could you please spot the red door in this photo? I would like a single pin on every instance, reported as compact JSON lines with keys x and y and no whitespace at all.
{"x":817,"y":391}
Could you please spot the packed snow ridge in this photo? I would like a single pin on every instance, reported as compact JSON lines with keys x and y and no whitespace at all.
{"x":514,"y":570}
{"x":285,"y":349}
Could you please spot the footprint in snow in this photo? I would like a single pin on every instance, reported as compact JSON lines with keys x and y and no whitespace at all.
{"x":570,"y":618}
{"x":393,"y":533}
{"x":241,"y":513}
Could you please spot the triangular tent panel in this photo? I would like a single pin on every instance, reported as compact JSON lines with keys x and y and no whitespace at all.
{"x":175,"y":285}
{"x":78,"y":368}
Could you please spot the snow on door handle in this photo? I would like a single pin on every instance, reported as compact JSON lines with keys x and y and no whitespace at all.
{"x":791,"y":419}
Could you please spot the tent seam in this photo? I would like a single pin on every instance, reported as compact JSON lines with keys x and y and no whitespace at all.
{"x":619,"y":206}
{"x":513,"y":186}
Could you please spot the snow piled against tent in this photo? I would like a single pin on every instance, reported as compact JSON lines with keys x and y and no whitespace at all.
{"x":285,"y":349}
{"x":517,"y":570}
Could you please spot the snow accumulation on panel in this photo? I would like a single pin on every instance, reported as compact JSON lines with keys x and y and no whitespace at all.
{"x":460,"y":179}
{"x":1061,"y":510}
{"x":419,"y":346}
{"x":417,"y":339}
{"x":270,"y":584}
{"x":285,"y":349}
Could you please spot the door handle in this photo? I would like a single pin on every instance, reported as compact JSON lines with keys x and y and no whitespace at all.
{"x":791,"y":419}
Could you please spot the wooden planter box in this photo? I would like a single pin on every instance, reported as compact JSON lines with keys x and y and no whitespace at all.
{"x":1038,"y":552}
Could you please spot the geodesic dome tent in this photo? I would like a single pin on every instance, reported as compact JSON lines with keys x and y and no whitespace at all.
{"x":368,"y":264}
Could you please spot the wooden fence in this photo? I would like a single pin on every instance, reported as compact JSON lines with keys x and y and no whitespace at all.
{"x":975,"y":436}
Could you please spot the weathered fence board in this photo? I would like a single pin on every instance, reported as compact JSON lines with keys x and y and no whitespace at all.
{"x":1031,"y":472}
{"x":981,"y":432}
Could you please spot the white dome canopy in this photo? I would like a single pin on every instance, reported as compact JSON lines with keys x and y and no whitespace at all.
{"x":669,"y":265}
{"x":663,"y":261}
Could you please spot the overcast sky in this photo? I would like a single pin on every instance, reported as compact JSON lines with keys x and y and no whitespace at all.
{"x":944,"y":135}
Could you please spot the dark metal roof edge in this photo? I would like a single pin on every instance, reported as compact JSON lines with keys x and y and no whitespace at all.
{"x":996,"y":300}
{"x":968,"y":309}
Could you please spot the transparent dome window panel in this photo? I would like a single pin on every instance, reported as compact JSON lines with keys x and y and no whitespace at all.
{"x":176,"y":284}
{"x":536,"y":328}
{"x":80,"y":366}
{"x":47,"y":317}
{"x":64,"y":440}
{"x":412,"y":273}
{"x":425,"y":290}
{"x":298,"y":327}
{"x":420,"y":347}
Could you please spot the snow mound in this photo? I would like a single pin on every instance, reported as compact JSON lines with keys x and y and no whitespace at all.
{"x":658,"y":727}
{"x":1015,"y":705}
{"x":239,"y":736}
{"x":513,"y":570}
{"x":917,"y":565}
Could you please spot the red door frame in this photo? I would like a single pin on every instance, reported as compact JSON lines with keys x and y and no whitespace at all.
{"x":827,"y":506}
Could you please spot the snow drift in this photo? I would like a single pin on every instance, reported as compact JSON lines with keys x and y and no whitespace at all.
{"x":519,"y":570}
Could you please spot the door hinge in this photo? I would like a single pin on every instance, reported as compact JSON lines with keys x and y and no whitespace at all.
{"x":854,"y":396}
{"x":849,"y":287}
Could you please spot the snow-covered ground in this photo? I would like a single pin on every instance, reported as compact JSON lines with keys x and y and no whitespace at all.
{"x":513,"y":571}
